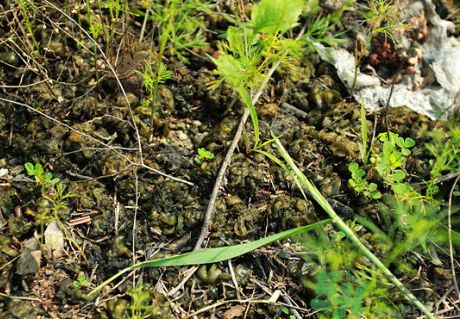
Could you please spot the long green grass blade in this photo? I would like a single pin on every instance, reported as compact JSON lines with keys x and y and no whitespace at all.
{"x":319,"y":198}
{"x":213,"y":255}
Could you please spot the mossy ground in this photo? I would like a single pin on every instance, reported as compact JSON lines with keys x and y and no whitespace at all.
{"x":71,"y":116}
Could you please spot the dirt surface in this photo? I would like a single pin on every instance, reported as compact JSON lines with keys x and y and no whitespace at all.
{"x":63,"y":107}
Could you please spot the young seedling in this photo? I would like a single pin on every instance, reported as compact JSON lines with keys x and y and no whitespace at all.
{"x":53,"y":194}
{"x":203,"y":155}
{"x":81,"y":282}
{"x":360,"y":184}
{"x":180,"y":30}
{"x":253,"y":47}
{"x":389,"y":164}
{"x":44,"y":179}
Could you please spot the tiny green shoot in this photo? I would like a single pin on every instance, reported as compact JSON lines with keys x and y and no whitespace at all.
{"x":81,"y":281}
{"x":203,"y":155}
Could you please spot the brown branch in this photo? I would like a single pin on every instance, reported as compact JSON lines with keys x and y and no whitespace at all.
{"x":227,"y":160}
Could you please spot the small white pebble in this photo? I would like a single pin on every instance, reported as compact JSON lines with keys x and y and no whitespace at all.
{"x":3,"y":172}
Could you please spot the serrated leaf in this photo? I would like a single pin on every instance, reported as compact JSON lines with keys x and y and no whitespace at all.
{"x":276,"y":16}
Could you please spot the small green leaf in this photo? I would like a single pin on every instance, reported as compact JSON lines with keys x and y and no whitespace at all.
{"x":285,"y":310}
{"x":353,"y":167}
{"x":361,"y":172}
{"x":372,"y":187}
{"x":29,"y":168}
{"x":376,"y":195}
{"x":38,"y":169}
{"x":400,"y":188}
{"x":405,"y":152}
{"x":400,"y":141}
{"x":383,"y":137}
{"x":398,"y":175}
{"x":204,"y":154}
{"x":231,"y":70}
{"x":408,"y":143}
{"x":320,"y":304}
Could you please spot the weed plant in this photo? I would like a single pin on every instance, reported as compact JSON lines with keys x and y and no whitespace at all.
{"x":81,"y":281}
{"x":53,"y":198}
{"x":379,"y":17}
{"x":179,"y":28}
{"x":349,"y":274}
{"x":140,"y":304}
{"x":203,"y":155}
{"x":253,"y":47}
{"x":445,"y":148}
{"x":388,"y":164}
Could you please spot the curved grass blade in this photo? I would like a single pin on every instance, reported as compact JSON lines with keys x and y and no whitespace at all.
{"x":213,"y":255}
{"x":337,"y":221}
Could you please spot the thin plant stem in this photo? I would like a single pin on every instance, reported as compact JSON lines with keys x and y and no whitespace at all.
{"x":451,"y":248}
{"x":306,"y":185}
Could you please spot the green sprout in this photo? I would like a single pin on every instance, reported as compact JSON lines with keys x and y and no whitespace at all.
{"x":389,"y":165}
{"x":203,"y":155}
{"x":81,"y":282}
{"x":53,"y":198}
{"x":44,"y":179}
{"x":359,"y":182}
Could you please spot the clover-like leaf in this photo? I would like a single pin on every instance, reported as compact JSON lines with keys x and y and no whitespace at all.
{"x":408,"y":142}
{"x":400,"y":188}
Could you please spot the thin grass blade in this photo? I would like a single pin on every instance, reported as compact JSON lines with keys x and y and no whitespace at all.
{"x":213,"y":255}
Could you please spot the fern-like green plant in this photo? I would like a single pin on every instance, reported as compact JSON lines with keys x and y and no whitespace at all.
{"x":180,"y":30}
{"x":253,"y":47}
{"x":445,"y":148}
